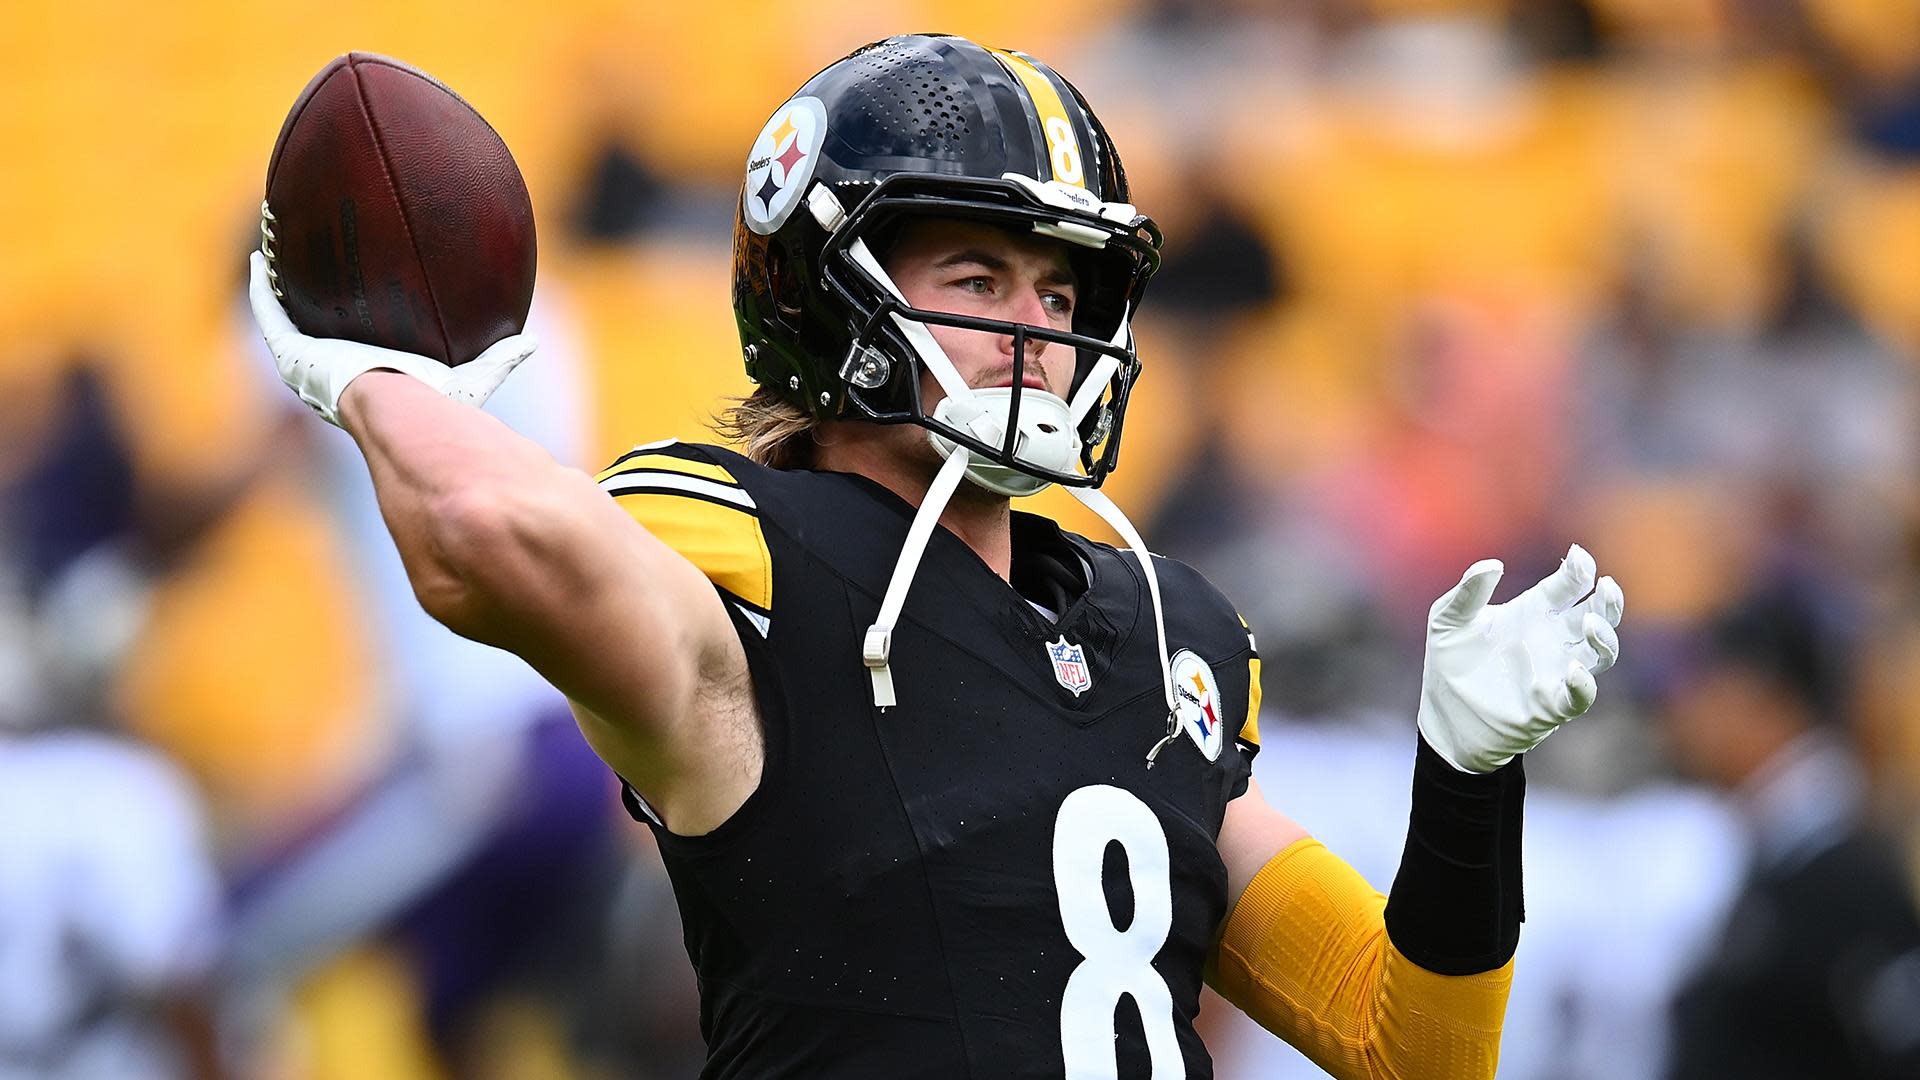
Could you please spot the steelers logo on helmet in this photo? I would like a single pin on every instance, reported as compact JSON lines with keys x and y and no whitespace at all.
{"x":1197,"y":703}
{"x":782,"y":162}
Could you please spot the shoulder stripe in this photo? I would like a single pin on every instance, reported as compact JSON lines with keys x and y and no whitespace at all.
{"x":670,"y":450}
{"x":653,"y":463}
{"x":632,"y":500}
{"x":713,"y":525}
{"x":694,"y":505}
{"x":651,"y":481}
{"x":671,"y":459}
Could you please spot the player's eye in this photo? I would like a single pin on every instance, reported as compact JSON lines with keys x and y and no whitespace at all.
{"x":1057,"y":303}
{"x":978,"y":285}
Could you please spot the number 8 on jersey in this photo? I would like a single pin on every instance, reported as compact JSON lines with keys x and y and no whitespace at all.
{"x":1116,"y":961}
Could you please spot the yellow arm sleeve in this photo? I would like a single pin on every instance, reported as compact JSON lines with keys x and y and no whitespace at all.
{"x":1306,"y":954}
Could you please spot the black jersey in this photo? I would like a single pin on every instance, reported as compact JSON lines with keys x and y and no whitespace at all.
{"x":985,"y":880}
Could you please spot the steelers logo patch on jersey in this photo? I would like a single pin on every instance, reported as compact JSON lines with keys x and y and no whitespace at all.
{"x":782,"y":162}
{"x":1197,"y":703}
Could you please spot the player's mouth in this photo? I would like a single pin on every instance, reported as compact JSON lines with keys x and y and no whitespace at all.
{"x":1032,"y":380}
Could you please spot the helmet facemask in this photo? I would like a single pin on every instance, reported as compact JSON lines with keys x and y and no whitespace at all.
{"x":1021,"y":438}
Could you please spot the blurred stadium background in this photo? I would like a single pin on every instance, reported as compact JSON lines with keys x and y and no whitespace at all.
{"x":1444,"y":279}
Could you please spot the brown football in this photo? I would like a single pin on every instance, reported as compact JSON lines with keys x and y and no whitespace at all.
{"x":395,"y":216}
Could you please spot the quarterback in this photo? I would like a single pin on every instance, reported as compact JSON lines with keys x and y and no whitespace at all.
{"x":943,"y":790}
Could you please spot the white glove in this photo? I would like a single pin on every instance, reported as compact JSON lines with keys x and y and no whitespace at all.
{"x":319,"y":369}
{"x":1501,"y":678}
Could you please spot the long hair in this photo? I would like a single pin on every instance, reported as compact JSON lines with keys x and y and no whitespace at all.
{"x":769,"y":430}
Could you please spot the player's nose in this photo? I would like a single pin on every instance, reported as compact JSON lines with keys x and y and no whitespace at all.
{"x":1028,"y":308}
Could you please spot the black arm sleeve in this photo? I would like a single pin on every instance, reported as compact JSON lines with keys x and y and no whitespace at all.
{"x":1456,"y":907}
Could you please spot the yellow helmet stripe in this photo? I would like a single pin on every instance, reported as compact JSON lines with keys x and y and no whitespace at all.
{"x":1064,"y":152}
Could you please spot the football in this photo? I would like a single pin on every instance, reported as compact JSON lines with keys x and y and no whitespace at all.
{"x":395,"y":215}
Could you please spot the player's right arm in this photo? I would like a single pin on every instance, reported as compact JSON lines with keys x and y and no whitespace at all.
{"x":506,"y":546}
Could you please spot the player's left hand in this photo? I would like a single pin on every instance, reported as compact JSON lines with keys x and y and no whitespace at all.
{"x":1500,"y":678}
{"x":319,"y":369}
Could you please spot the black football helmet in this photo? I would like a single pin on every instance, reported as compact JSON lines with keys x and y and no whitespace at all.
{"x":934,"y":125}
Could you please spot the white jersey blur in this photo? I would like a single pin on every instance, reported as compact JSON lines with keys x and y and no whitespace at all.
{"x":108,"y":902}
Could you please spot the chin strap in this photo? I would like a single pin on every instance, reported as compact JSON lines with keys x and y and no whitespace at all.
{"x":877,"y":650}
{"x":1097,"y":501}
{"x":879,"y":644}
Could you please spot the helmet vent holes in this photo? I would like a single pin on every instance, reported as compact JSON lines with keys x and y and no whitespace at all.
{"x":912,"y":103}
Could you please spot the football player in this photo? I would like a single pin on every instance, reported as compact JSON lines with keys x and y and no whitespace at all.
{"x":944,"y":790}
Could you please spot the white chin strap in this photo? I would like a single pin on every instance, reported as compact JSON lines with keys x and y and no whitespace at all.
{"x":878,"y":647}
{"x":877,"y":650}
{"x":1096,"y":500}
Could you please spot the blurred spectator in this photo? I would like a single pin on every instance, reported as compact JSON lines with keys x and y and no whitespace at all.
{"x":109,"y":908}
{"x":1219,"y":266}
{"x":1869,"y":53}
{"x":1817,"y":972}
{"x":77,"y":490}
{"x":109,"y":899}
{"x":1557,"y":31}
{"x":620,"y":195}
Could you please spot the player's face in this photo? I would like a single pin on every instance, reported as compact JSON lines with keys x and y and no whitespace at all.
{"x":971,"y":268}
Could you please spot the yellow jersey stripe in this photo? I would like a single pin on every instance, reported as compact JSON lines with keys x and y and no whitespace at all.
{"x":669,"y":463}
{"x":722,"y":538}
{"x":1065,"y":153}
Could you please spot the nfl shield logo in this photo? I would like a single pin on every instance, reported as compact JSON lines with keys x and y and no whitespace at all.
{"x":1070,"y":665}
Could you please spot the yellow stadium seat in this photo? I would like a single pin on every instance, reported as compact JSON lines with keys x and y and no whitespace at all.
{"x":662,"y":347}
{"x":251,"y":669}
{"x":1881,"y":36}
{"x":1867,"y":239}
{"x":1714,"y":162}
{"x":1370,"y":211}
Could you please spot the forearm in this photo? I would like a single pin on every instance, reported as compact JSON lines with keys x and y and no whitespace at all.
{"x":1307,"y":954}
{"x":1457,"y":904}
{"x":432,"y":462}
